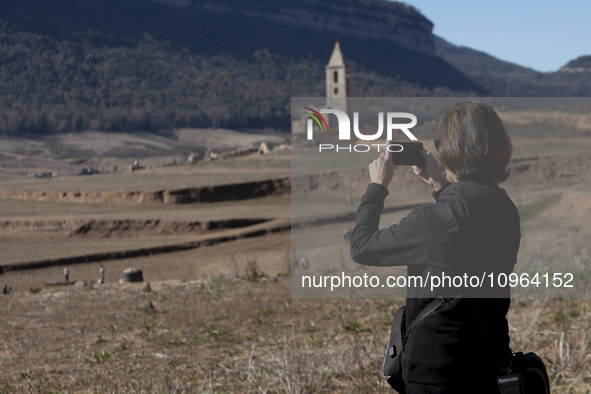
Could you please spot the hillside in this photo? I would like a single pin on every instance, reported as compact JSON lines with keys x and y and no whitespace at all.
{"x":152,"y":65}
{"x":144,"y":65}
{"x":582,"y":63}
{"x":386,"y":37}
{"x":508,"y":79}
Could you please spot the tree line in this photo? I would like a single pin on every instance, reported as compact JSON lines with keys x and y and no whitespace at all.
{"x":53,"y":86}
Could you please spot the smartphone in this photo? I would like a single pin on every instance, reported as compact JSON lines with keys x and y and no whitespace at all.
{"x":407,"y":153}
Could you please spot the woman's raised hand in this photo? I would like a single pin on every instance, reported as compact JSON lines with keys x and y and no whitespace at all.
{"x":381,"y":170}
{"x":431,"y":173}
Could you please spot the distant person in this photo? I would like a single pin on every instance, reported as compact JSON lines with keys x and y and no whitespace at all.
{"x":102,"y":273}
{"x":305,"y":263}
{"x":347,"y":236}
{"x":9,"y":290}
{"x":67,"y":274}
{"x":441,"y":354}
{"x":114,"y":168}
{"x":5,"y":290}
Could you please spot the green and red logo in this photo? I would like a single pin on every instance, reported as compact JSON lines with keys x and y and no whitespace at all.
{"x":316,"y":115}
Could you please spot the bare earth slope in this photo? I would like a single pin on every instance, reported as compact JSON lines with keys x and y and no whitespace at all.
{"x":104,"y":151}
{"x":220,"y":317}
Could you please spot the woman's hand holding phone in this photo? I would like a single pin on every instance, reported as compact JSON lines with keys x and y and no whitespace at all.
{"x":431,"y":173}
{"x":381,"y":170}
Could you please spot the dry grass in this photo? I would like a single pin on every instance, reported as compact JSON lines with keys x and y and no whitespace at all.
{"x":235,"y":336}
{"x":557,"y":330}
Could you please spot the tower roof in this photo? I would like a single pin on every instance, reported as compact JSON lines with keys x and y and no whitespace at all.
{"x":336,"y":59}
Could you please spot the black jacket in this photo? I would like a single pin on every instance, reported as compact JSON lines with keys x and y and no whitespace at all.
{"x":444,"y":347}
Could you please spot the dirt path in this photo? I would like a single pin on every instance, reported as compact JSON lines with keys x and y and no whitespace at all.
{"x":127,"y":251}
{"x":228,"y":259}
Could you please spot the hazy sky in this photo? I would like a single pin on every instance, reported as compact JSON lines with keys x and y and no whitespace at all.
{"x":543,"y":35}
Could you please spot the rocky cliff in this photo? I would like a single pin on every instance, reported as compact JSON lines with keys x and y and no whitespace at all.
{"x":383,"y":20}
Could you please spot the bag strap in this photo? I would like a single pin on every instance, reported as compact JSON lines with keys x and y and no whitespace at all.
{"x":432,"y":307}
{"x":447,"y":220}
{"x":449,"y":225}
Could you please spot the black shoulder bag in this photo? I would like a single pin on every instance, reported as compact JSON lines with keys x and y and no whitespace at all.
{"x":392,"y":368}
{"x":526,"y":373}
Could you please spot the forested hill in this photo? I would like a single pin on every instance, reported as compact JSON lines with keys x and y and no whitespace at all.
{"x":503,"y":78}
{"x":68,"y":65}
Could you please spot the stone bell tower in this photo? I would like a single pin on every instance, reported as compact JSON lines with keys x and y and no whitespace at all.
{"x":338,"y":80}
{"x":338,"y":88}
